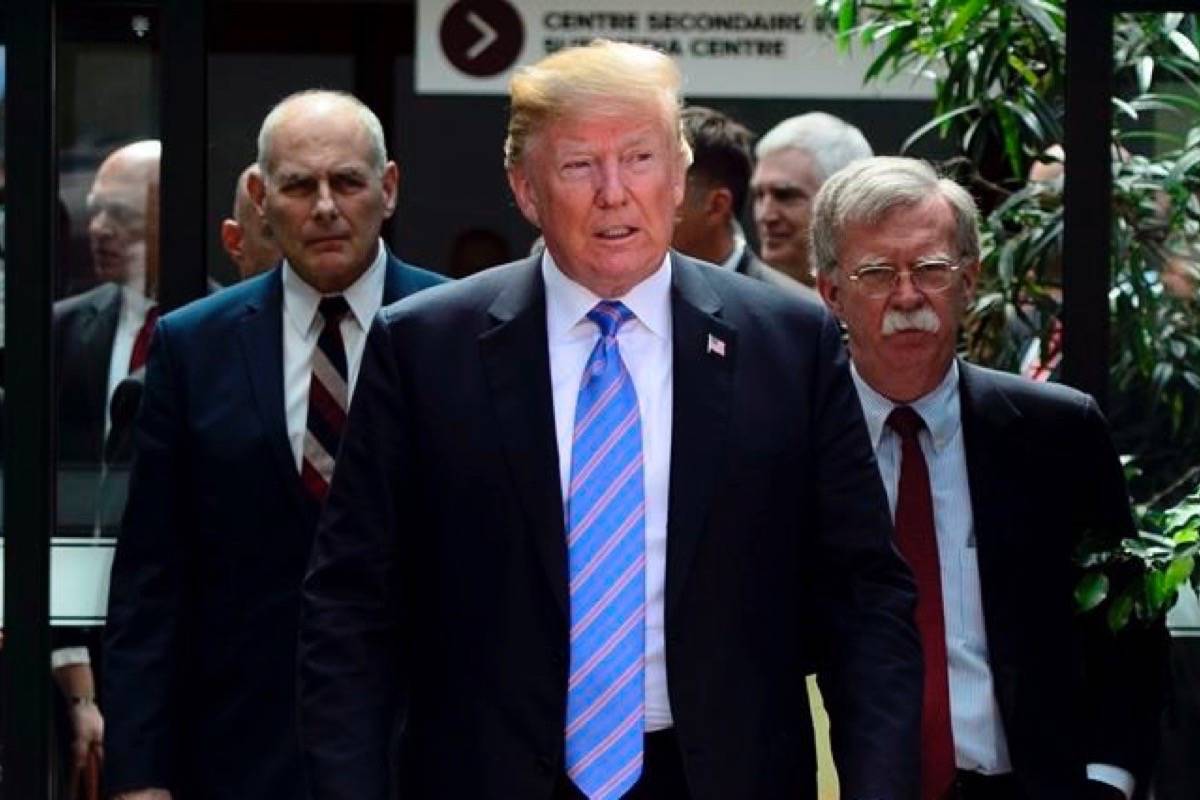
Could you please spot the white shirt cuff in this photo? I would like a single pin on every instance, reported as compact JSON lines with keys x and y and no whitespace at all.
{"x":68,"y":656}
{"x":1113,"y":776}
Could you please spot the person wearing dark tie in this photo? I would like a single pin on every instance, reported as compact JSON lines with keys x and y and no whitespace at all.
{"x":992,"y":479}
{"x":597,"y":511}
{"x":244,"y":400}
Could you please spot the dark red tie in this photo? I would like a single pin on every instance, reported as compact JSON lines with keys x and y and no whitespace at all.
{"x":328,"y":399}
{"x":141,"y":343}
{"x":917,"y":540}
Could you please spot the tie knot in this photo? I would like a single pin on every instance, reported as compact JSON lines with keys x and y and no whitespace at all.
{"x":609,"y":315}
{"x":906,"y":422}
{"x":333,"y":308}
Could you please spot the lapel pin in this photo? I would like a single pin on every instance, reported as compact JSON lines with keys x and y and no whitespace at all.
{"x":715,"y":346}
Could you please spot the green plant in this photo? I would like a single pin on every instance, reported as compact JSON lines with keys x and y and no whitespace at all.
{"x":998,"y":75}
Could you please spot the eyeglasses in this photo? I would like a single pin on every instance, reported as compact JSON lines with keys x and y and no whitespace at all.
{"x":932,"y":276}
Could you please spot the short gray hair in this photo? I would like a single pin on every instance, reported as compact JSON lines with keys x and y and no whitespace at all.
{"x":377,"y":157}
{"x":864,"y":192}
{"x":832,"y":142}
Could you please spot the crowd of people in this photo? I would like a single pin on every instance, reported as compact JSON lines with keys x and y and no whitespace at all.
{"x":594,"y":514}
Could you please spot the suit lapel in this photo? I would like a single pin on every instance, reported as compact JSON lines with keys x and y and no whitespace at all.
{"x":261,"y":337}
{"x":986,"y":416}
{"x":517,"y":365}
{"x":702,"y":389}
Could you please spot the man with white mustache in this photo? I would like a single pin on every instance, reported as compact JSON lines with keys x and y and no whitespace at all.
{"x":959,"y":449}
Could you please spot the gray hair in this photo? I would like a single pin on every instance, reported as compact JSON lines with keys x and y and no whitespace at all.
{"x":864,"y":192}
{"x":832,"y":142}
{"x":377,"y":157}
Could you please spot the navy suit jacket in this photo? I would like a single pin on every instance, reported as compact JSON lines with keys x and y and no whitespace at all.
{"x":1042,"y":473}
{"x":438,"y":581}
{"x":200,"y":648}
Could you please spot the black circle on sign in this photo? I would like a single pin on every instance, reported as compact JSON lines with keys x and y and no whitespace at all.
{"x":466,"y":26}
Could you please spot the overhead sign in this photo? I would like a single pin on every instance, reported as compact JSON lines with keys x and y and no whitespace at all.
{"x":758,"y":48}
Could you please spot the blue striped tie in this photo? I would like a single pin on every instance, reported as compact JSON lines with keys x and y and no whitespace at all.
{"x":606,"y":553}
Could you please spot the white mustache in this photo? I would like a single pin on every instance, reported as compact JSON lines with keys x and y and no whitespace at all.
{"x":922,"y":319}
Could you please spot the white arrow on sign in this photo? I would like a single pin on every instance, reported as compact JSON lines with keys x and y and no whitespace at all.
{"x":487,"y":35}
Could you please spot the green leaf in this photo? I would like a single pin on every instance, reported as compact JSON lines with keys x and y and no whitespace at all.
{"x":966,"y":14}
{"x":1023,"y":69}
{"x":1185,"y":45}
{"x":1179,"y":571}
{"x":1091,"y":591}
{"x":936,"y":122}
{"x":1119,"y":611}
{"x":847,"y":17}
{"x":1145,"y":73}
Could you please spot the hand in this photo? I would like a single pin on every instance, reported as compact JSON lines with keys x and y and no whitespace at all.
{"x":145,"y":794}
{"x":1099,"y":790}
{"x":88,"y":726}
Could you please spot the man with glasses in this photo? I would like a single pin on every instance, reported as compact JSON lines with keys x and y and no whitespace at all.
{"x":992,"y":481}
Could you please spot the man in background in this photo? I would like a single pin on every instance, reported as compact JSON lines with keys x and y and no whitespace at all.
{"x":245,"y":397}
{"x":245,"y":236}
{"x":794,"y":159}
{"x":706,"y":226}
{"x":100,"y":337}
{"x":993,"y":481}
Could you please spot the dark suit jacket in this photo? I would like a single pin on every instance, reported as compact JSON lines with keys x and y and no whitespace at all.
{"x":438,"y":580}
{"x":83,"y":329}
{"x":752,"y":266}
{"x":200,"y":649}
{"x":1042,"y":472}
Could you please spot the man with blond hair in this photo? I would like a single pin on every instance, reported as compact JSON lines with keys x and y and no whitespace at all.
{"x":989,"y":476}
{"x":599,"y":511}
{"x":245,"y":399}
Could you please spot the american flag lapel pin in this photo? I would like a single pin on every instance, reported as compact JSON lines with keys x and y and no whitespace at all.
{"x":715,"y":346}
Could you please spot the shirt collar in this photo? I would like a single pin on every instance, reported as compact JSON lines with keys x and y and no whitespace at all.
{"x":735,"y":257}
{"x":568,"y":302}
{"x":133,"y":301}
{"x":364,"y":296}
{"x":939,"y":408}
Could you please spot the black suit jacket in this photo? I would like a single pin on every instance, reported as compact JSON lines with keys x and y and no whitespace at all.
{"x":1042,"y":472}
{"x":438,"y":581}
{"x":199,"y":688}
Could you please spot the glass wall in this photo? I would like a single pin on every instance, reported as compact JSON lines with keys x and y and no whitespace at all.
{"x":105,"y":285}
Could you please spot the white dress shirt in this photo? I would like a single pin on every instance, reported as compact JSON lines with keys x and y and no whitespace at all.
{"x":134,"y":307}
{"x":302,"y":327}
{"x":739,"y":247}
{"x":645,"y":344}
{"x":979,"y":741}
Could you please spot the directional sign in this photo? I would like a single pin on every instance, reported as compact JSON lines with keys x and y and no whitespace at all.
{"x":482,"y":38}
{"x":746,"y":48}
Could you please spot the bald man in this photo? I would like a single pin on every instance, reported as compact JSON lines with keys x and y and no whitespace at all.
{"x":95,"y":336}
{"x":244,"y":237}
{"x":245,"y":393}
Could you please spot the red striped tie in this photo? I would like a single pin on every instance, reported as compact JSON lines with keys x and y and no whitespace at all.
{"x":916,"y":538}
{"x":328,"y":399}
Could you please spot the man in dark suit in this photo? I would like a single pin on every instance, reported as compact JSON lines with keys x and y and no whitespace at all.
{"x":601,"y":565}
{"x":706,"y":224}
{"x":244,"y":400}
{"x":993,"y":481}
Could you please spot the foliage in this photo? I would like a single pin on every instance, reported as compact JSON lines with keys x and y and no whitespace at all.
{"x":998,"y":75}
{"x":1141,"y":578}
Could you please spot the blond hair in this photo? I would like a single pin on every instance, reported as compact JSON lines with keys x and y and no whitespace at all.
{"x":601,"y":78}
